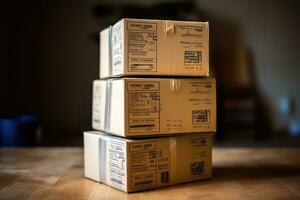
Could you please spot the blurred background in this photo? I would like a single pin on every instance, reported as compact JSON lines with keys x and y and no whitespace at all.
{"x":49,"y":58}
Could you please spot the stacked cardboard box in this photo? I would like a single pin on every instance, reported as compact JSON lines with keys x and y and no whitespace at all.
{"x":154,"y":106}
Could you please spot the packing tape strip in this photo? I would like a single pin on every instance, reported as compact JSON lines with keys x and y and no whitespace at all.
{"x":102,"y":159}
{"x":169,"y":27}
{"x":175,"y":85}
{"x":110,"y":51}
{"x":107,"y":105}
{"x":173,"y":152}
{"x":170,"y":30}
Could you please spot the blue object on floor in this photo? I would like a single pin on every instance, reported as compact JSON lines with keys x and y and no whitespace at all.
{"x":9,"y":134}
{"x":19,"y":131}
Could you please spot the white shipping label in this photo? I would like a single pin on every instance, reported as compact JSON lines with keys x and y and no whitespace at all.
{"x":98,"y":99}
{"x":191,"y":40}
{"x":150,"y":165}
{"x":198,"y":154}
{"x":203,"y":102}
{"x":117,"y":49}
{"x":142,"y":46}
{"x":143,"y":107}
{"x":116,"y":164}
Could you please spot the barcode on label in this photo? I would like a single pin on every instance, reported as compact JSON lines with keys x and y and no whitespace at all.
{"x":192,"y":57}
{"x":164,"y":177}
{"x":200,"y":116}
{"x":197,"y":168}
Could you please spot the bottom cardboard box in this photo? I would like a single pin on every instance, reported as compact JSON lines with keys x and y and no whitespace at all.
{"x":139,"y":164}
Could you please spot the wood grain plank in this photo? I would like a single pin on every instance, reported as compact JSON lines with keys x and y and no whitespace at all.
{"x":239,"y":173}
{"x":35,"y":170}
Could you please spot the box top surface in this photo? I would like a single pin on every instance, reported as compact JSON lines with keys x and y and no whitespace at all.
{"x":158,"y":78}
{"x":107,"y":136}
{"x":160,"y":20}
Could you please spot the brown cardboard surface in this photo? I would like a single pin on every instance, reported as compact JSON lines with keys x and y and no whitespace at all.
{"x":154,"y":106}
{"x":141,"y":164}
{"x":155,"y":47}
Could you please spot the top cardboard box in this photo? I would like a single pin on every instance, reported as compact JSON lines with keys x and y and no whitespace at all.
{"x":137,"y":47}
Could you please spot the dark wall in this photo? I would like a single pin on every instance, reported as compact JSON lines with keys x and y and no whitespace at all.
{"x":48,"y":67}
{"x":257,"y":43}
{"x":49,"y":56}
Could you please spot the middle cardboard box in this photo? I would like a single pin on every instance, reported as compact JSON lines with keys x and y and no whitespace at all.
{"x":131,"y":107}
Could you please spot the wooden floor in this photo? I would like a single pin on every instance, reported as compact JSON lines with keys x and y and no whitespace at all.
{"x":57,"y":173}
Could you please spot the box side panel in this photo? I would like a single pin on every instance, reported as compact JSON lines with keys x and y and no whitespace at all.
{"x":116,"y":107}
{"x":159,"y":47}
{"x":105,"y":53}
{"x":91,"y":156}
{"x":169,"y":106}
